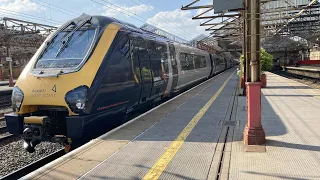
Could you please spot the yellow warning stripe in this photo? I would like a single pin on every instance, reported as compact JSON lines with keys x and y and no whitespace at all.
{"x":164,"y":160}
{"x":318,"y":97}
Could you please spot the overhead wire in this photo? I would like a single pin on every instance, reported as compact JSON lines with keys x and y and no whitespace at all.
{"x":15,"y":13}
{"x":162,"y":18}
{"x":139,"y":19}
{"x":54,"y":7}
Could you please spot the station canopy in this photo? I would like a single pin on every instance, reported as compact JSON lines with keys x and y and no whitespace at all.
{"x":285,"y":24}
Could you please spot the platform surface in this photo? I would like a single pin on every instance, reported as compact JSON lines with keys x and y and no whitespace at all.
{"x":291,"y":120}
{"x":198,"y":135}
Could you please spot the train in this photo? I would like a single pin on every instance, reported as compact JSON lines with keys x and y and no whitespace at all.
{"x":95,"y":68}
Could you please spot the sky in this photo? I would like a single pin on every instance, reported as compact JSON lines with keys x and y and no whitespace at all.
{"x":164,"y":14}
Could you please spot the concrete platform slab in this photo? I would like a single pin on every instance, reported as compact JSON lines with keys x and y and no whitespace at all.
{"x":290,"y":117}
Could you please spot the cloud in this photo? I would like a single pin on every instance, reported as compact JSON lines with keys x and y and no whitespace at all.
{"x":118,"y":10}
{"x":19,"y":5}
{"x":179,"y":23}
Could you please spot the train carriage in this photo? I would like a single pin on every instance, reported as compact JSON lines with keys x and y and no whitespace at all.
{"x":95,"y":68}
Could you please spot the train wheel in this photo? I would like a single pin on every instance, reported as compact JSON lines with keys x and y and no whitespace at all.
{"x":73,"y":144}
{"x":151,"y":105}
{"x":124,"y":119}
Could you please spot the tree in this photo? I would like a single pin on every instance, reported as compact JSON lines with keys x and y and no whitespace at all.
{"x":266,"y":61}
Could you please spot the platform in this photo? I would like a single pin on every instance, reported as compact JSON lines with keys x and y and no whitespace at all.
{"x":309,"y":71}
{"x":198,"y":135}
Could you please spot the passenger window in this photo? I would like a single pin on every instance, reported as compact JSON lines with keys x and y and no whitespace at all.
{"x":119,"y":62}
{"x":155,"y":58}
{"x":164,"y":58}
{"x":190,"y":61}
{"x":197,"y":61}
{"x":183,"y":62}
{"x":203,"y":62}
{"x":173,"y":59}
{"x":141,"y":46}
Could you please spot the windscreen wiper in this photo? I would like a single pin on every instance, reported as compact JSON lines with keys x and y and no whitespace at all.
{"x":67,"y":38}
{"x":55,"y":35}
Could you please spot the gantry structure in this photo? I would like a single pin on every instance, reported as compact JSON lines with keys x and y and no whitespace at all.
{"x":289,"y":26}
{"x":20,"y":39}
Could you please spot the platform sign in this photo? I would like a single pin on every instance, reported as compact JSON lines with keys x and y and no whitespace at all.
{"x":221,"y":6}
{"x":8,"y":59}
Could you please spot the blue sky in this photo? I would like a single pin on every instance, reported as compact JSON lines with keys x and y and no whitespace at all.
{"x":165,"y":14}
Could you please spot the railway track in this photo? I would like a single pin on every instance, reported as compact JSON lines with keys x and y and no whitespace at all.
{"x":7,"y":138}
{"x":33,"y":166}
{"x":5,"y":101}
{"x":3,"y":129}
{"x":310,"y":81}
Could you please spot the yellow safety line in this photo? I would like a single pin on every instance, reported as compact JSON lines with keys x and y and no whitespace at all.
{"x":164,"y":160}
{"x":318,"y":97}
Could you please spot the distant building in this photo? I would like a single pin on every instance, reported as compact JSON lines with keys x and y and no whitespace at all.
{"x":315,"y":53}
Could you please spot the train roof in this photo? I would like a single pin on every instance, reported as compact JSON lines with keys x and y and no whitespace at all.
{"x":102,"y":21}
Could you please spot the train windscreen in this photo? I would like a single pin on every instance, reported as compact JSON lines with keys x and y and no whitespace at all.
{"x":65,"y":50}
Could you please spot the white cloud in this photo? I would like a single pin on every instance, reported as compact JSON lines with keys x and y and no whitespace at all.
{"x":19,"y":5}
{"x":125,"y":10}
{"x":178,"y":22}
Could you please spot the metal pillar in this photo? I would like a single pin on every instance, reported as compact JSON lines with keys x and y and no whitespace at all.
{"x":253,"y":132}
{"x":244,"y":48}
{"x":2,"y":70}
{"x":247,"y":40}
{"x":10,"y":65}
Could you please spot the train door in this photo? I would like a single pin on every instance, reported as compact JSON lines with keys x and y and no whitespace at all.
{"x":174,"y":66}
{"x":212,"y":65}
{"x":145,"y":70}
{"x":158,"y":56}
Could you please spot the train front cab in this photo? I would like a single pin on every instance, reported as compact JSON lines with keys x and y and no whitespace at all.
{"x":64,"y":89}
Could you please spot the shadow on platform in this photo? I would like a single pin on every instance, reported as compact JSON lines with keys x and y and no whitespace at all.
{"x":288,"y":87}
{"x":292,"y":145}
{"x":280,"y":176}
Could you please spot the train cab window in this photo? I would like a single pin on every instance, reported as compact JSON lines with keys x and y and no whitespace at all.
{"x":71,"y":55}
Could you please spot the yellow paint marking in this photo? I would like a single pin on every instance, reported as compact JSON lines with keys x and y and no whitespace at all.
{"x":164,"y":160}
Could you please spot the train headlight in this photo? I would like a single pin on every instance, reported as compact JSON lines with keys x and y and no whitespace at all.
{"x":77,"y":98}
{"x":17,"y":98}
